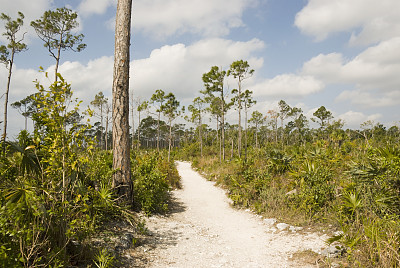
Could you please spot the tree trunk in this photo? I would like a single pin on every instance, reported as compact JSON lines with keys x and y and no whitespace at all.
{"x":57,"y":60}
{"x":133,"y":122}
{"x":6,"y":98}
{"x":240,"y":118}
{"x":122,"y":182}
{"x":223,"y":126}
{"x":257,"y":136}
{"x":169,"y":139}
{"x":106,"y":134}
{"x":201,"y":137}
{"x":245,"y":132}
{"x":158,"y":132}
{"x":138,"y":133}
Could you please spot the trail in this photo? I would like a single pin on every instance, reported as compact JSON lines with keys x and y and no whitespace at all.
{"x":203,"y":230}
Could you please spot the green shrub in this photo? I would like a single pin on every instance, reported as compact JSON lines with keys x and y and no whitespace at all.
{"x":150,"y":184}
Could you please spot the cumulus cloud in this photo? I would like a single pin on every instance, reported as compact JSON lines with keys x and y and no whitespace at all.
{"x":88,"y":79}
{"x":179,"y":68}
{"x":376,"y":70}
{"x":161,"y":18}
{"x":176,"y":68}
{"x":368,"y":99}
{"x":354,"y":119}
{"x":32,"y":10}
{"x":378,"y":20}
{"x":288,"y":85}
{"x":89,"y":7}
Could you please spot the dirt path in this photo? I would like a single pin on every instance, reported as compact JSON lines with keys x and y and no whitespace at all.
{"x":203,"y":230}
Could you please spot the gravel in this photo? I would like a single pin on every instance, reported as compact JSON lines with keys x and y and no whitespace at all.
{"x":203,"y":230}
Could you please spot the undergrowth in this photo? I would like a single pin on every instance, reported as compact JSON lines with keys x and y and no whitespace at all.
{"x":352,"y":188}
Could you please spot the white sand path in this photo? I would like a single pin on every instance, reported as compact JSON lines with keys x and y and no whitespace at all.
{"x":205,"y":231}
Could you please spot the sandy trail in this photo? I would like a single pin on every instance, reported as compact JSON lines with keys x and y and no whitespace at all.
{"x":203,"y":230}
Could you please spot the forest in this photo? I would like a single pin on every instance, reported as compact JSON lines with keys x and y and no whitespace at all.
{"x":57,"y":185}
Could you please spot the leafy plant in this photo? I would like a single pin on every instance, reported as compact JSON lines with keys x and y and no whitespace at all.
{"x":104,"y":259}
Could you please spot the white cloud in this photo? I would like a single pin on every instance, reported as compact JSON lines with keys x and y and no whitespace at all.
{"x":179,"y":68}
{"x":376,"y":69}
{"x":378,"y":20}
{"x":325,"y":67}
{"x":288,"y":85}
{"x":32,"y":10}
{"x":367,"y":99}
{"x":89,"y":7}
{"x":161,"y":18}
{"x":87,"y":80}
{"x":353,"y":119}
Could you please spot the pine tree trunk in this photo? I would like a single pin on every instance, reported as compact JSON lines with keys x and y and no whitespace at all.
{"x":240,"y":118}
{"x":6,"y":99}
{"x":169,"y":139}
{"x":245,"y":133}
{"x":121,"y":150}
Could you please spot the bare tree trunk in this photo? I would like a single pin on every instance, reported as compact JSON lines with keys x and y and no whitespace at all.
{"x":106,"y":134}
{"x":223,"y":126}
{"x":57,"y":59}
{"x":158,"y":132}
{"x":232,"y":147}
{"x":101,"y":130}
{"x":6,"y":98}
{"x":257,"y":136}
{"x":201,"y":137}
{"x":122,"y":181}
{"x":245,"y":132}
{"x":138,"y":133}
{"x":133,"y":120}
{"x":240,"y":118}
{"x":169,"y":139}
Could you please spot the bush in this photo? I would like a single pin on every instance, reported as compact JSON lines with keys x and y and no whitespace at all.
{"x":153,"y":178}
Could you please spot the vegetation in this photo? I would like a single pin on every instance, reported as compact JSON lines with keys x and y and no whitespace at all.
{"x":7,"y":54}
{"x":55,"y":29}
{"x":60,"y":184}
{"x":326,"y":176}
{"x":56,"y":190}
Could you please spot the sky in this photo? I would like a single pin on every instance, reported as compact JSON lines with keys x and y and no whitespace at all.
{"x":342,"y":54}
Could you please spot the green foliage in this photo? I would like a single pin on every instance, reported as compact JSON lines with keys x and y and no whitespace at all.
{"x":55,"y":188}
{"x":15,"y":44}
{"x":314,"y":182}
{"x":55,"y":29}
{"x":351,"y":185}
{"x":153,"y":177}
{"x":104,"y":259}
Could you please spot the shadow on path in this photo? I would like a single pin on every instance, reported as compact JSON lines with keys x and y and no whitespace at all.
{"x":163,"y":235}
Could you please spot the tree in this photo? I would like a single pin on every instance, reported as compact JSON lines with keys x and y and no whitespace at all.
{"x":257,"y":119}
{"x":197,"y":109}
{"x":214,"y":83}
{"x":157,"y":99}
{"x":284,"y":110}
{"x":248,"y":102}
{"x":122,"y":181}
{"x":55,"y":29}
{"x":7,"y":54}
{"x":299,"y":120}
{"x":241,"y":70}
{"x":273,"y":122}
{"x":323,"y":115}
{"x":108,"y":111}
{"x":170,"y":111}
{"x":142,"y":106}
{"x":24,"y":107}
{"x":99,"y":102}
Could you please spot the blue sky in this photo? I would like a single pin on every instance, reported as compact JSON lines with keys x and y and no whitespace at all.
{"x":343,"y":54}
